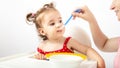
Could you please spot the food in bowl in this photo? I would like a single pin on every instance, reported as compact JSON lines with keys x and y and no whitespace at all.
{"x":66,"y":60}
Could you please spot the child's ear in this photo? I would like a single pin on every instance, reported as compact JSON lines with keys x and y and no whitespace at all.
{"x":41,"y":31}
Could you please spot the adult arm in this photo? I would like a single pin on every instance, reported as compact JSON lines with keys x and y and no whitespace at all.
{"x":101,"y":40}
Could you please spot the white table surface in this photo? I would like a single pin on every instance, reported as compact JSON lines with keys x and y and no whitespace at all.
{"x":24,"y":61}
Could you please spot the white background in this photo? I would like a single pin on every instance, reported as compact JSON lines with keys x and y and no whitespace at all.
{"x":16,"y":36}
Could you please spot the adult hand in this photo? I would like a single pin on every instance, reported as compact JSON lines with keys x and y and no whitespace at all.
{"x":85,"y":14}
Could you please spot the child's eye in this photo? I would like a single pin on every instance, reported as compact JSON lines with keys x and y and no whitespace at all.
{"x":60,"y":21}
{"x":52,"y":24}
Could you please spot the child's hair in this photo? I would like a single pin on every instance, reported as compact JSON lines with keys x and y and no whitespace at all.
{"x":39,"y":15}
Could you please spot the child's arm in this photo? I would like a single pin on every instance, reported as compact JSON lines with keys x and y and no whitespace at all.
{"x":39,"y":55}
{"x":90,"y":52}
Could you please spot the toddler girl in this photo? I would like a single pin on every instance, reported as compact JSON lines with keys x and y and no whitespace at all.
{"x":49,"y":25}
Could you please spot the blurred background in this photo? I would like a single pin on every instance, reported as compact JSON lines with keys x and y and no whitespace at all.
{"x":16,"y":36}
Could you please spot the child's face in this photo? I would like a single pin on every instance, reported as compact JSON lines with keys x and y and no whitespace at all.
{"x":53,"y":26}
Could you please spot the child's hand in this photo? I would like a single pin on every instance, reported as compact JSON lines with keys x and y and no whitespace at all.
{"x":39,"y":56}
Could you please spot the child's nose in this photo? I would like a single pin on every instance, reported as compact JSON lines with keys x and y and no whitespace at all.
{"x":58,"y":24}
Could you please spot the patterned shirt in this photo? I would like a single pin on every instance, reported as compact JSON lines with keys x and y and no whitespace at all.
{"x":64,"y":49}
